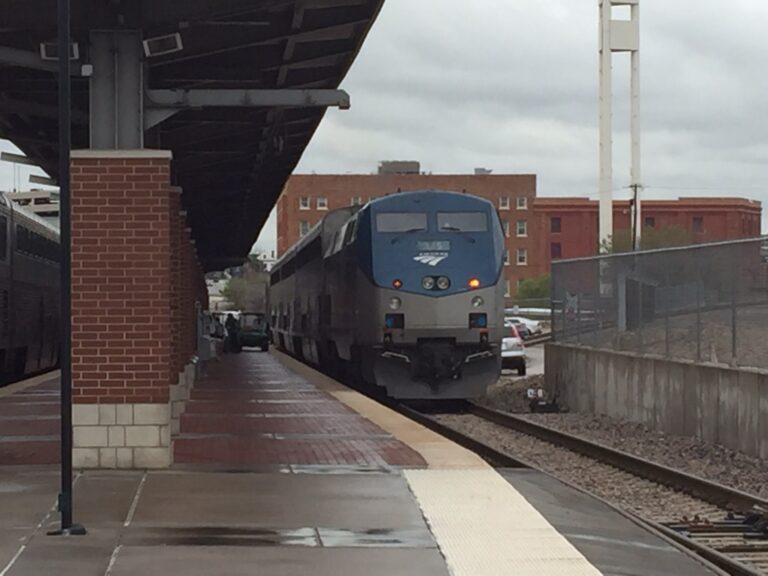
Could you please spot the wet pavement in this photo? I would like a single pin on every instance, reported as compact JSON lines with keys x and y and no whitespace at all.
{"x":185,"y":522}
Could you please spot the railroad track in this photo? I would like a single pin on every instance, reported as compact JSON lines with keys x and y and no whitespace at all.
{"x":727,"y":527}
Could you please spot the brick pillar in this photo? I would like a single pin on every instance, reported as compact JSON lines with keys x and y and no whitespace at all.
{"x":122,"y":335}
{"x":180,"y":385}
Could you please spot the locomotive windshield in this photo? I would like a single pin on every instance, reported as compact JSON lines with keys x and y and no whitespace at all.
{"x":462,"y":221}
{"x":401,"y":221}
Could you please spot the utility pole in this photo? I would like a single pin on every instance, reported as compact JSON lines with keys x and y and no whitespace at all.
{"x":635,"y":217}
{"x":634,"y":129}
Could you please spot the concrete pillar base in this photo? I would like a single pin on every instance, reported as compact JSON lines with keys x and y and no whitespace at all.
{"x":126,"y":436}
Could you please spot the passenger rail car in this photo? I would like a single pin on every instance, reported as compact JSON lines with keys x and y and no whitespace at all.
{"x":29,"y":293}
{"x":405,"y":293}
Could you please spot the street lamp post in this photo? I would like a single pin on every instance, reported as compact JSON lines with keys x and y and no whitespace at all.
{"x":65,"y":147}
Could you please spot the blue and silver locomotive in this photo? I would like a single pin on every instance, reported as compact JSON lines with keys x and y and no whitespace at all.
{"x":405,"y":293}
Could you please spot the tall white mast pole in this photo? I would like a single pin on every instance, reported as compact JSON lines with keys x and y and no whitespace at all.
{"x":606,"y":151}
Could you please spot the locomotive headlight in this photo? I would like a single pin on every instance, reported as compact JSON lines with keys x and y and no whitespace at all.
{"x":428,"y":283}
{"x":477,"y":301}
{"x":443,"y":283}
{"x":395,"y":303}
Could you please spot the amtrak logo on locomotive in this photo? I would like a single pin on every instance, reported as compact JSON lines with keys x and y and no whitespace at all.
{"x":431,"y":258}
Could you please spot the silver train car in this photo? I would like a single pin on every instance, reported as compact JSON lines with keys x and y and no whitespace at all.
{"x":29,"y":293}
{"x":405,"y":293}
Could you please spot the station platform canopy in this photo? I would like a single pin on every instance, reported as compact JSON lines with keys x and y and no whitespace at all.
{"x":234,"y":89}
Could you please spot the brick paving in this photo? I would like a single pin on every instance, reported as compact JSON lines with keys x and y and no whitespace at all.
{"x":30,"y":426}
{"x":249,"y":410}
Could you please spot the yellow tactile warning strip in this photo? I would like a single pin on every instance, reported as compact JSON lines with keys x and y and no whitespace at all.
{"x":438,"y":452}
{"x":484,"y":527}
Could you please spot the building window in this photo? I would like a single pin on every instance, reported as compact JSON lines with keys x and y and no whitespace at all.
{"x":506,"y":228}
{"x":303,"y":227}
{"x":507,"y":289}
{"x":504,"y":203}
{"x":522,"y":257}
{"x":522,"y":229}
{"x":556,"y":250}
{"x":304,"y":203}
{"x":522,"y":203}
{"x":520,"y":282}
{"x":650,"y":222}
{"x":322,"y":203}
{"x":356,"y":201}
{"x":698,"y":224}
{"x":555,"y":225}
{"x":506,"y":257}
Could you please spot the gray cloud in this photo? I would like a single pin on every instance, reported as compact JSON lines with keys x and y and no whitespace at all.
{"x":512,"y":85}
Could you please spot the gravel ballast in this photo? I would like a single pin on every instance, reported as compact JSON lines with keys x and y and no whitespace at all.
{"x":692,"y":455}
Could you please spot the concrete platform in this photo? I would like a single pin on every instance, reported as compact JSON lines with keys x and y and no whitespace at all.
{"x":273,"y":524}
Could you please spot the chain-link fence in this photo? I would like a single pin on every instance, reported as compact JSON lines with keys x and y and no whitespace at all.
{"x":707,"y":303}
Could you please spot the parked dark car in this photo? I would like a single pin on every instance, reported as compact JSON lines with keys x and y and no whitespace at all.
{"x":254,"y":330}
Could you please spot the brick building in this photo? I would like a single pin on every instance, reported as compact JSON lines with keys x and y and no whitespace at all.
{"x":537,"y":229}
{"x":568,"y":227}
{"x":307,"y":198}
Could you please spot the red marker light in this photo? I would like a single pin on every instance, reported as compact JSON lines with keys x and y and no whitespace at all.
{"x":397,"y":284}
{"x":474,"y":283}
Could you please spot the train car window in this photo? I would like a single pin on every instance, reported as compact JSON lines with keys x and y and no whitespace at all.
{"x":401,"y":221}
{"x":462,"y":221}
{"x":3,"y":237}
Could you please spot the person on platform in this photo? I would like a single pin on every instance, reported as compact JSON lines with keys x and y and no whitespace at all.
{"x":233,"y":334}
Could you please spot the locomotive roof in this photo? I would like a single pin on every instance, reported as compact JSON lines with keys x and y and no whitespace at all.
{"x":405,"y":198}
{"x":316,"y":231}
{"x":402,"y":200}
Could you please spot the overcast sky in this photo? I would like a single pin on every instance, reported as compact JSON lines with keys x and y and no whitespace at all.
{"x":512,"y":85}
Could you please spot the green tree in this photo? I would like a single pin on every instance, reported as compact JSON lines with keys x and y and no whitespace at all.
{"x":236,"y":292}
{"x":534,"y":289}
{"x":651,"y":239}
{"x":247,"y":291}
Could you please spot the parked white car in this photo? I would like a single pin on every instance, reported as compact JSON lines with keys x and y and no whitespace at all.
{"x":534,"y":326}
{"x":513,"y":351}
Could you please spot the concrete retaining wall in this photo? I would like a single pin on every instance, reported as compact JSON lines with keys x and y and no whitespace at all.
{"x":717,"y":403}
